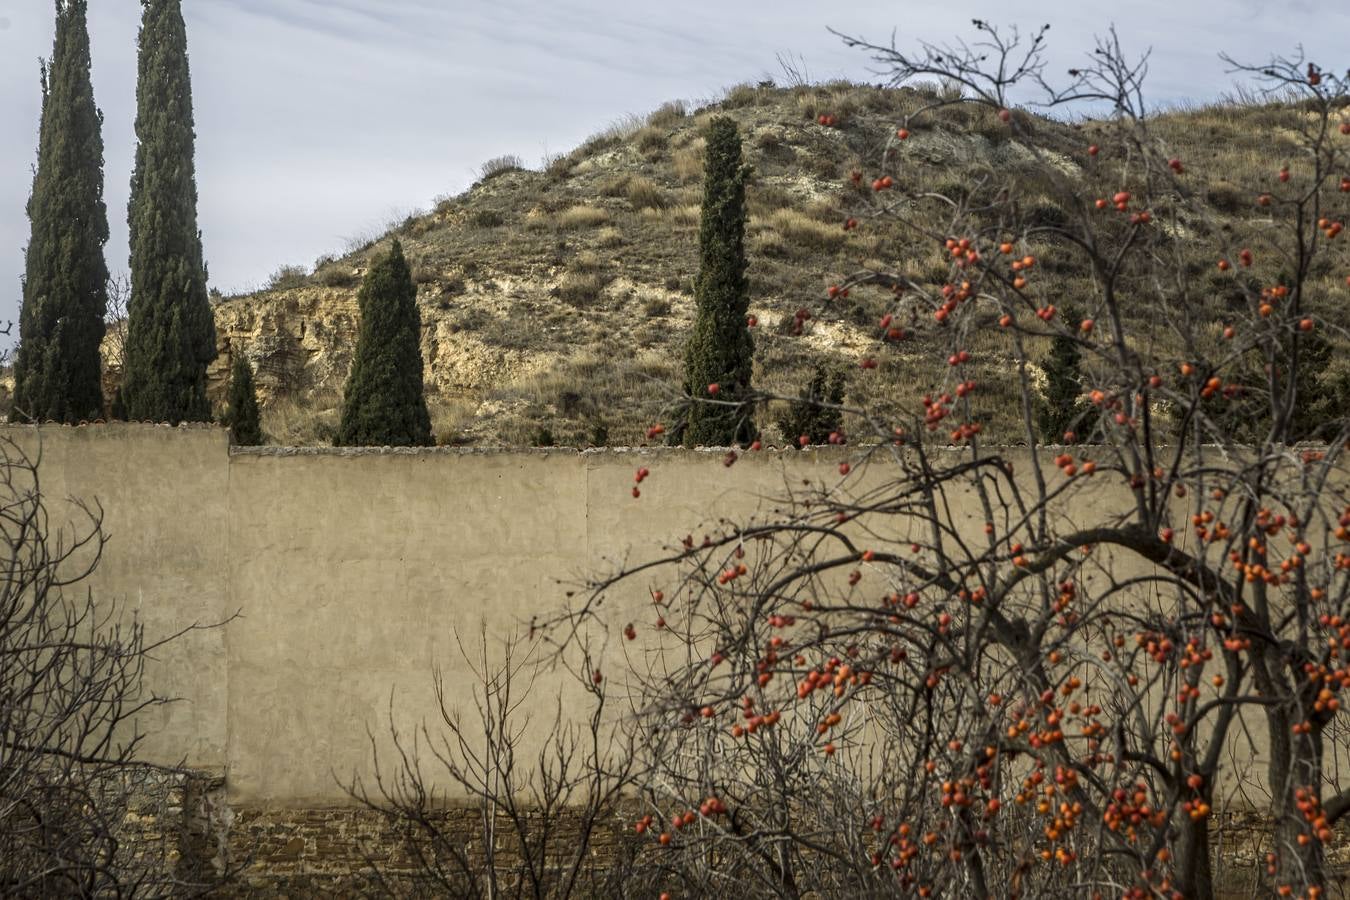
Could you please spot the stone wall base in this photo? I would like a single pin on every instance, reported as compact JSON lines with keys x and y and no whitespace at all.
{"x":182,"y":824}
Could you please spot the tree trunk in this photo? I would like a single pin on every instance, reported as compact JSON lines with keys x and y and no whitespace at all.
{"x":1295,"y":765}
{"x":1195,"y":871}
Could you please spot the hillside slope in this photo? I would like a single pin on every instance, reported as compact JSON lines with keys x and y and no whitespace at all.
{"x":559,"y":300}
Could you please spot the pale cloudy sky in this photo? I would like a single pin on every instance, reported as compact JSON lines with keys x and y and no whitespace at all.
{"x":318,"y":120}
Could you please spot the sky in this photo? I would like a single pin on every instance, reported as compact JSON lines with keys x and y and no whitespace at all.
{"x":319,"y":121}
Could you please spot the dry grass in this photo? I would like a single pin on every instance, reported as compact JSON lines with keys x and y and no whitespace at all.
{"x":582,"y":216}
{"x":643,"y":193}
{"x":674,"y":216}
{"x":451,"y":417}
{"x":299,"y":421}
{"x":621,"y":129}
{"x":804,"y":231}
{"x":769,"y":243}
{"x":608,"y":237}
{"x":640,"y":192}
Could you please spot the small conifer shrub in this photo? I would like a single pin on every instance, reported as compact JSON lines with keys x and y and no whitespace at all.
{"x":242,"y":410}
{"x":1062,"y":406}
{"x":815,"y":414}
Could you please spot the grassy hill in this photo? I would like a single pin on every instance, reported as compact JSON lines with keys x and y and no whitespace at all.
{"x":558,"y":300}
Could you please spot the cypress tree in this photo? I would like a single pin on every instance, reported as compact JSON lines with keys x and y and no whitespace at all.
{"x":1062,"y":405}
{"x":171,"y":336}
{"x":720,"y":348}
{"x":57,"y":370}
{"x":242,"y":409}
{"x":383,"y":403}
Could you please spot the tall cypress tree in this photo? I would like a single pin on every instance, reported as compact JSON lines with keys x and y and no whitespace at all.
{"x":241,"y":412}
{"x":171,"y":336}
{"x":57,"y":370}
{"x":720,"y":348}
{"x":383,"y":403}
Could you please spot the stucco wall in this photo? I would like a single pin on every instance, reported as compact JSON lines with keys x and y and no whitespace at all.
{"x":164,"y":499}
{"x":369,"y":568}
{"x":356,"y":573}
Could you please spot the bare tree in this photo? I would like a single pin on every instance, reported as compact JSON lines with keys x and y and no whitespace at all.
{"x":115,"y":341}
{"x":71,"y":687}
{"x":965,"y":671}
{"x":478,"y":819}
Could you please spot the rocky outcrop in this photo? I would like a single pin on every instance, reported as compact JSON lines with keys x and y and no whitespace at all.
{"x":298,"y":340}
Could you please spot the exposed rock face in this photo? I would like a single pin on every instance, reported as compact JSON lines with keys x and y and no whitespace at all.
{"x":298,"y":340}
{"x":301,"y":341}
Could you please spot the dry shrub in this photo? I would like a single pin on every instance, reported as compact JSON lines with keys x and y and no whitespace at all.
{"x":500,"y":165}
{"x":608,"y":237}
{"x":337,"y":275}
{"x":651,"y":140}
{"x":581,"y":288}
{"x":536,"y":219}
{"x":582,"y":216}
{"x":591,"y":374}
{"x":287,"y":278}
{"x":769,"y":139}
{"x":486,"y":218}
{"x":768,"y":197}
{"x":667,"y":114}
{"x":688,"y":161}
{"x":614,"y":187}
{"x":823,"y":211}
{"x":642,"y":193}
{"x":619,"y":130}
{"x":559,"y":166}
{"x":297,"y":421}
{"x":742,"y":95}
{"x":587,"y":261}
